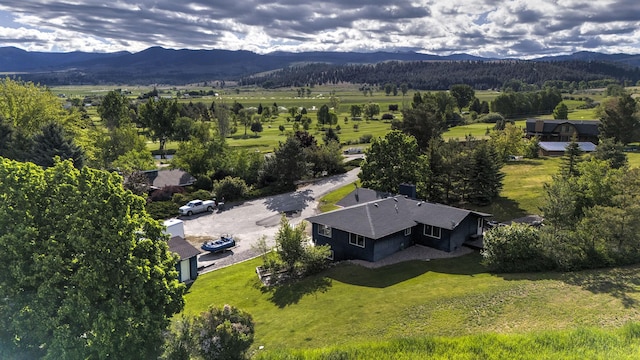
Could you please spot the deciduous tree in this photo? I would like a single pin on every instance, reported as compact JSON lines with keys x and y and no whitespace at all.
{"x":160,"y":116}
{"x":114,"y":110}
{"x":88,"y":273}
{"x":389,"y":162}
{"x":463,"y":94}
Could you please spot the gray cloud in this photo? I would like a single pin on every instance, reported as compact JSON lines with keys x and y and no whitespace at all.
{"x":480,"y":27}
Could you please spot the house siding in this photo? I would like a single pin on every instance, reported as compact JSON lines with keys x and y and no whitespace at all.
{"x":193,"y":264}
{"x":339,"y":243}
{"x":391,"y":244}
{"x":463,"y":232}
{"x":440,"y":244}
{"x":450,"y":240}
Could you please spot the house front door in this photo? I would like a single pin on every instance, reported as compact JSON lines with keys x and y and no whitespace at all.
{"x":480,"y":226}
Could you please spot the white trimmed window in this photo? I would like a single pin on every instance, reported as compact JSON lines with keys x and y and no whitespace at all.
{"x":357,"y":240}
{"x":324,"y":230}
{"x":407,"y":231}
{"x":330,"y":257}
{"x":432,"y":231}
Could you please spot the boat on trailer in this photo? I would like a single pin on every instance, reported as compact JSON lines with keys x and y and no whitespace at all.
{"x":222,"y":244}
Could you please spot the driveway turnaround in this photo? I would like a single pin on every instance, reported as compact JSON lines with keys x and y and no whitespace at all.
{"x":250,"y":220}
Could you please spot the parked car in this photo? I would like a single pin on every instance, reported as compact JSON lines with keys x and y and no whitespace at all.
{"x":197,"y":206}
{"x":221,"y":244}
{"x":353,"y":150}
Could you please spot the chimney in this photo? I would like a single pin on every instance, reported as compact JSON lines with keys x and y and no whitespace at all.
{"x":407,"y":190}
{"x":539,"y":126}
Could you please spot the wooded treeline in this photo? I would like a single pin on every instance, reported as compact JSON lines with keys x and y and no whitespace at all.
{"x":440,"y":75}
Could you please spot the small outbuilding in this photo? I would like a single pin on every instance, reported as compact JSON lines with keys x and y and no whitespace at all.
{"x":188,"y":264}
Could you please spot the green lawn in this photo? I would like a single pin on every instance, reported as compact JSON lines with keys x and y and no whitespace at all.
{"x":350,"y":304}
{"x":523,"y":188}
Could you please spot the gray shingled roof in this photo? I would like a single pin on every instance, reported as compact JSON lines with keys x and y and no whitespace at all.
{"x":181,"y":247}
{"x":362,"y":195}
{"x":173,"y":177}
{"x":584,"y":127}
{"x":379,"y":218}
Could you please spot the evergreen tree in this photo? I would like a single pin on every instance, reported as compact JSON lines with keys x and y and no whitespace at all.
{"x":475,"y":105}
{"x":571,"y":158}
{"x":485,"y":175}
{"x":620,"y":120}
{"x":612,"y":152}
{"x":423,"y":121}
{"x":287,"y":165}
{"x":561,"y":112}
{"x":53,"y":142}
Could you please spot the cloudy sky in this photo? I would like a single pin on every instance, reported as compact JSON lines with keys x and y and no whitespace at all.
{"x":494,"y":28}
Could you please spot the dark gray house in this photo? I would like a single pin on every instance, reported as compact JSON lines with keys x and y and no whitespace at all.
{"x":563,"y":130}
{"x":375,"y":229}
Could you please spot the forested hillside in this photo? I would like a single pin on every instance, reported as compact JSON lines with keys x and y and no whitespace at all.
{"x":439,"y":75}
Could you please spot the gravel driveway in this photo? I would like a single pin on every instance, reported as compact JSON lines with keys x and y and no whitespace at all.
{"x":250,"y":220}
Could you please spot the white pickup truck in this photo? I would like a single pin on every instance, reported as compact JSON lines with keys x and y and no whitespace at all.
{"x":197,"y":206}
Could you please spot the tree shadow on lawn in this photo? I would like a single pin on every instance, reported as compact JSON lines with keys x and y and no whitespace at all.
{"x":502,"y":209}
{"x":622,"y":283}
{"x":390,"y":275}
{"x":291,"y":292}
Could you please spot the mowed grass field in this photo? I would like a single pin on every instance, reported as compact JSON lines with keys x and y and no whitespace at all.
{"x":349,"y":304}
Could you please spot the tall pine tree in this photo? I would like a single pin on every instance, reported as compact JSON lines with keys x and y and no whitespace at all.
{"x":53,"y":142}
{"x":571,"y":158}
{"x":485,"y":175}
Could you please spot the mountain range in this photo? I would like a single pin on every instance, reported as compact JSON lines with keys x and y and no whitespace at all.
{"x":160,"y":65}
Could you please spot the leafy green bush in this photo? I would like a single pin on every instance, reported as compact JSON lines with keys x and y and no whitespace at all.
{"x":166,"y":193}
{"x":231,"y":188}
{"x":514,"y":248}
{"x":314,"y":259}
{"x":162,"y":209}
{"x":491,"y":118}
{"x":204,"y":183}
{"x":217,"y":333}
{"x":366,"y":138}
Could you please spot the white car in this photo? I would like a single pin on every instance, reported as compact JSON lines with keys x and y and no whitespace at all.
{"x":353,"y":150}
{"x":197,"y":206}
